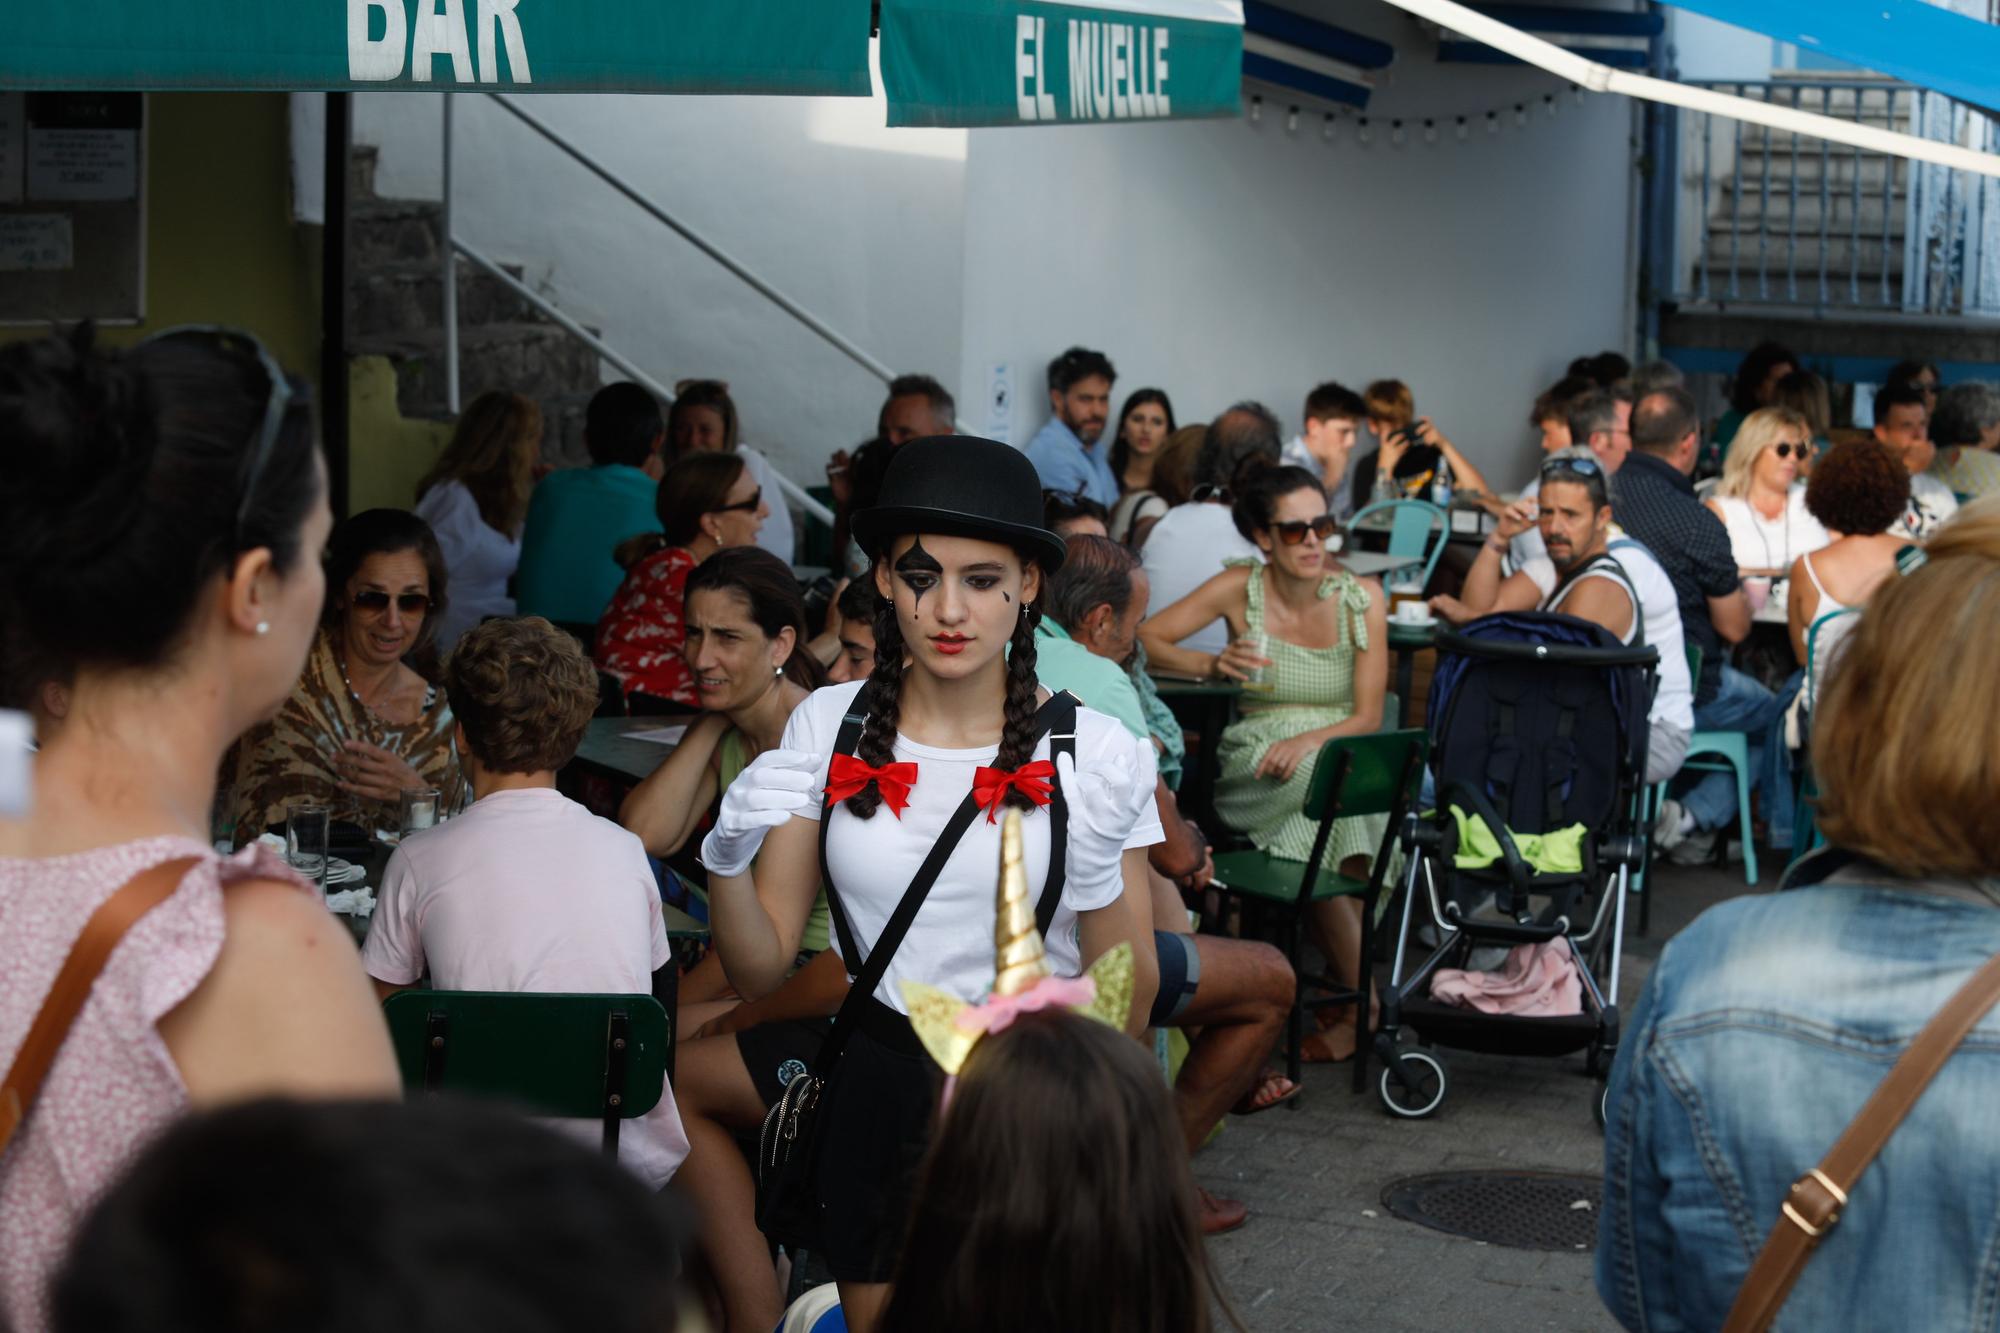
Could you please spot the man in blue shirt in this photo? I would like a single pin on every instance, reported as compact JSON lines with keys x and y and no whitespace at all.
{"x":1070,"y":453}
{"x":578,"y":516}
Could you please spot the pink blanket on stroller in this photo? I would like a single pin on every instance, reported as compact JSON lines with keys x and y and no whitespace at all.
{"x":1536,"y":981}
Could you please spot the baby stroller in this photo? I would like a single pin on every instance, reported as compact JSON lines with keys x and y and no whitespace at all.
{"x":1538,"y":732}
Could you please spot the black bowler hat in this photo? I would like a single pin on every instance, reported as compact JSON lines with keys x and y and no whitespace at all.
{"x":961,"y":486}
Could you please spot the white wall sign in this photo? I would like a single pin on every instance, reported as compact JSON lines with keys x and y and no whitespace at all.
{"x":1000,"y":402}
{"x":13,"y":145}
{"x":83,"y":146}
{"x":36,"y":243}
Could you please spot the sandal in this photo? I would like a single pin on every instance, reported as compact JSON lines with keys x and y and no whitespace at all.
{"x":1260,"y":1097}
{"x":1219,"y":1215}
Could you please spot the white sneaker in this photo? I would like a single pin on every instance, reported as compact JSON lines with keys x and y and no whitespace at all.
{"x":1694,"y":849}
{"x":1667,"y":833}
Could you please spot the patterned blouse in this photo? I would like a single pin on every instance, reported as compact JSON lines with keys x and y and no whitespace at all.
{"x":292,"y":759}
{"x":639,"y":639}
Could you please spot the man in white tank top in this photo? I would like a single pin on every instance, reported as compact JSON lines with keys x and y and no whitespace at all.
{"x":1595,"y":573}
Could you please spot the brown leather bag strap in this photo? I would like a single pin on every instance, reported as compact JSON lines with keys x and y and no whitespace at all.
{"x":1816,"y":1198}
{"x":87,"y":957}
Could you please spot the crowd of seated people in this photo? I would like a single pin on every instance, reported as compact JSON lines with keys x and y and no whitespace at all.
{"x":232,"y":678}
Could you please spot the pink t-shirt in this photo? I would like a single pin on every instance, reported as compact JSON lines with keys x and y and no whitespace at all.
{"x":529,"y":891}
{"x":113,"y":1085}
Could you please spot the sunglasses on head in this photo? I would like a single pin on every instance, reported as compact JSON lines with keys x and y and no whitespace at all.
{"x":1291,"y":534}
{"x":748,"y":506}
{"x":280,"y":401}
{"x":1582,"y":467}
{"x":376,"y":601}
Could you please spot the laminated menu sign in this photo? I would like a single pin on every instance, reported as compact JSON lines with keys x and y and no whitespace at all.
{"x":83,"y":146}
{"x":36,"y":243}
{"x":13,"y":145}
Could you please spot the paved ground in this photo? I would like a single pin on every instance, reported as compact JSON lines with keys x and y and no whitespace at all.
{"x":1321,"y":1252}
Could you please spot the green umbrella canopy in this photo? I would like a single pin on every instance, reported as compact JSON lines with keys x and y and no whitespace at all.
{"x":1038,"y":62}
{"x":633,"y":46}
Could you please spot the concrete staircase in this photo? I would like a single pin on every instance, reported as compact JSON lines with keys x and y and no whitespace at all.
{"x":395,"y":310}
{"x":1785,"y":207}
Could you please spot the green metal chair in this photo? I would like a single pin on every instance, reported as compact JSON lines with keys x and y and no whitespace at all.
{"x":1732,"y":749}
{"x":1412,"y":526}
{"x":1353,"y":775}
{"x":583,"y":1057}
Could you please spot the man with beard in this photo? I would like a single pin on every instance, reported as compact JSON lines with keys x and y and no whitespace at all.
{"x":1592,"y":571}
{"x":1070,"y":453}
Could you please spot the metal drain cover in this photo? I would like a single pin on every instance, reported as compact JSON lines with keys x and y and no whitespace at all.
{"x":1527,"y":1210}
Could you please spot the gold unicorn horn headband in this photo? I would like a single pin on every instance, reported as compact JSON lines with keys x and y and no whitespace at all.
{"x":1022,"y":983}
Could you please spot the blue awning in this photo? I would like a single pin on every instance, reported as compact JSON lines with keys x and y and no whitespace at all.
{"x":1907,"y":39}
{"x":1310,"y":57}
{"x":1617,"y":38}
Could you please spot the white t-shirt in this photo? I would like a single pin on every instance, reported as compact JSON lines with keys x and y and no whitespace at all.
{"x":529,"y":891}
{"x":478,"y":561}
{"x":1771,"y":543}
{"x":1186,"y":549}
{"x":1660,"y":617}
{"x":1931,"y":505}
{"x":950,"y":944}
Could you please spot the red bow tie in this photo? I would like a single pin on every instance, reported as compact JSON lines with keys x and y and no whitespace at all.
{"x":846,"y":776}
{"x":991,"y":785}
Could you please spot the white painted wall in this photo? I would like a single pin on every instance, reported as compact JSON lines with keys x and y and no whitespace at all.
{"x":1219,"y":260}
{"x":1706,"y":48}
{"x":1229,"y":259}
{"x":860,"y":225}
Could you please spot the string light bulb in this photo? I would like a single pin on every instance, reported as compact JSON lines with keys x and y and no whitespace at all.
{"x":1361,"y":129}
{"x":1396,"y":133}
{"x":1292,"y":121}
{"x":1461,"y":130}
{"x":1549,"y":104}
{"x":1256,"y":109}
{"x":1430,"y":131}
{"x":1493,"y":122}
{"x":1520,"y":113}
{"x":1577,"y":93}
{"x":1327,"y":131}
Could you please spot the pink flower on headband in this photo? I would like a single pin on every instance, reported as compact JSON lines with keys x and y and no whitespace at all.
{"x":998,"y":1012}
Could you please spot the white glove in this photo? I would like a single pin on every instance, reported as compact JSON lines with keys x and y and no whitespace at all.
{"x":773,"y":787}
{"x":1103,"y":810}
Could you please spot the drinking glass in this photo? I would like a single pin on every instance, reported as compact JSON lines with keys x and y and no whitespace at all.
{"x":419,"y":808}
{"x":1259,"y":643}
{"x":306,"y":831}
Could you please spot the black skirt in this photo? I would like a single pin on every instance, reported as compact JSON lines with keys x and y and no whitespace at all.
{"x":877,"y":1120}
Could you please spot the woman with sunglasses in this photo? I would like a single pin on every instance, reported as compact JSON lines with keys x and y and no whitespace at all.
{"x":1762,"y":502}
{"x":1321,"y":672}
{"x":162,"y":510}
{"x":707,"y":502}
{"x":367,"y":720}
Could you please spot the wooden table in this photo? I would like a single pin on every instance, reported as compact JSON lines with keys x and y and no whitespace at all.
{"x":1406,"y":641}
{"x":1208,"y":706}
{"x":609,"y":750}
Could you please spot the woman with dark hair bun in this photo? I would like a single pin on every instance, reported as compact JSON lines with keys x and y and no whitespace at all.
{"x":951,"y":723}
{"x":160,"y":514}
{"x":707,"y":502}
{"x":1310,"y":642}
{"x":367,"y":720}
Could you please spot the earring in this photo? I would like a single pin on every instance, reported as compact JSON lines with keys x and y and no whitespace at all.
{"x":263,"y":627}
{"x":777,"y":671}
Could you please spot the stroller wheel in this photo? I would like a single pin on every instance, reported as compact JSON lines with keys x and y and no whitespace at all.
{"x":1424,"y":1091}
{"x":1602,"y":1106}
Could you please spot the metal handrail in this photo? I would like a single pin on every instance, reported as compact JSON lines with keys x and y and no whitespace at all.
{"x":702,"y":243}
{"x":812,"y":507}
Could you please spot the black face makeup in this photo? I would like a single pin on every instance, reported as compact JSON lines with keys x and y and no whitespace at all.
{"x":919,"y":570}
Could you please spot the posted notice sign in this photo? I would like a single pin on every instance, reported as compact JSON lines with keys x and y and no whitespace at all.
{"x":83,"y":146}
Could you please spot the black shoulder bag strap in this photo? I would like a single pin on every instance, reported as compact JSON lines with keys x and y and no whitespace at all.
{"x":1060,"y":710}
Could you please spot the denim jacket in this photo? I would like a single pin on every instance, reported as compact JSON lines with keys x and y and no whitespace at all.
{"x":1762,"y":1030}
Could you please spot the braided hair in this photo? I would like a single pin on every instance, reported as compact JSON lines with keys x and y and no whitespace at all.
{"x":881,"y":699}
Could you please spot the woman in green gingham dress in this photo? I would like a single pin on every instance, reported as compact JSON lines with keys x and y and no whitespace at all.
{"x":1326,"y":668}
